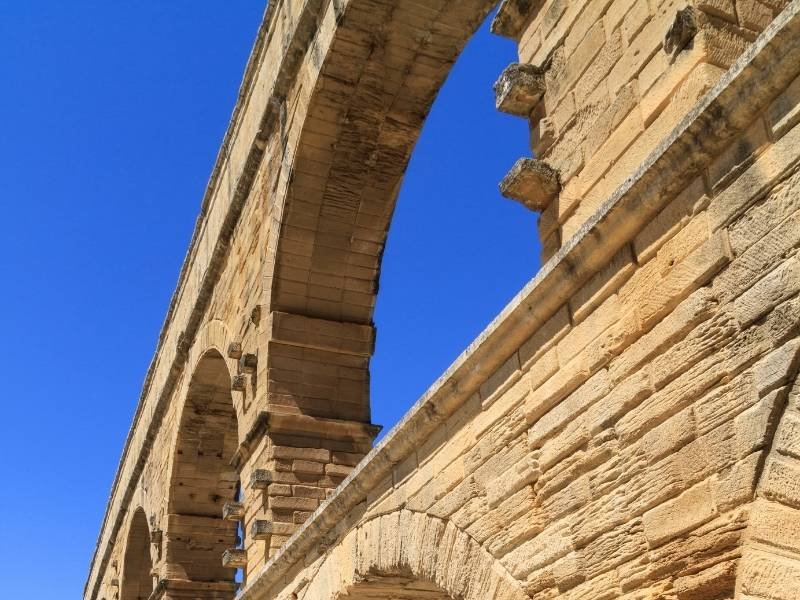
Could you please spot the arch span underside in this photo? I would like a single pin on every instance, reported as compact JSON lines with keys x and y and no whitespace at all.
{"x":203,"y":477}
{"x":137,"y":579}
{"x":382,"y":70}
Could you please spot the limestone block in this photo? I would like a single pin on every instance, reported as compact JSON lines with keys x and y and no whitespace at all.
{"x":614,"y":548}
{"x":737,"y":485}
{"x":787,"y":441}
{"x":623,"y":398}
{"x":235,"y":350}
{"x":754,"y":14}
{"x":738,"y":155}
{"x":759,"y":220}
{"x":718,"y":8}
{"x":238,"y":383}
{"x":670,"y":435}
{"x":670,"y":220}
{"x":248,"y":364}
{"x":712,"y":582}
{"x":645,"y":44}
{"x":531,"y":182}
{"x":594,"y":76}
{"x":760,"y":258}
{"x":603,"y":283}
{"x":696,"y":308}
{"x":724,"y":402}
{"x":634,"y":20}
{"x":595,"y":388}
{"x":262,"y":529}
{"x":617,"y":143}
{"x":765,"y":575}
{"x":233,"y":511}
{"x":681,"y":31}
{"x":234,"y":558}
{"x":784,"y":112}
{"x":511,"y":17}
{"x":511,"y":481}
{"x":691,"y":509}
{"x":615,"y":14}
{"x":655,"y":297}
{"x":544,"y":549}
{"x":775,"y":524}
{"x":781,"y":481}
{"x":260,"y":479}
{"x":774,"y":370}
{"x":543,"y":134}
{"x":519,"y":89}
{"x":499,"y":515}
{"x":756,"y":179}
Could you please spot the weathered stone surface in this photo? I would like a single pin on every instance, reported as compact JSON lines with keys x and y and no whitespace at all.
{"x":626,"y":428}
{"x":519,"y":89}
{"x":532,"y":183}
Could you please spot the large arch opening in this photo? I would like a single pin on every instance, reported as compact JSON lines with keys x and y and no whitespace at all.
{"x":204,"y":479}
{"x":137,"y":579}
{"x":457,"y":251}
{"x":381,"y":67}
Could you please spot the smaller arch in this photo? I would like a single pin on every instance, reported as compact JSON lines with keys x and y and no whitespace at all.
{"x":404,"y":555}
{"x":137,"y":565}
{"x":203,"y":478}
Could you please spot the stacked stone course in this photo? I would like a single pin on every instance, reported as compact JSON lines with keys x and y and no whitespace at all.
{"x":628,"y":427}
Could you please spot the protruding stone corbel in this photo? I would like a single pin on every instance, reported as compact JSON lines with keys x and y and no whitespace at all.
{"x":114,"y":583}
{"x":531,"y":182}
{"x":262,"y":529}
{"x":248,"y":363}
{"x":235,"y":350}
{"x":260,"y":479}
{"x":681,"y":32}
{"x":511,"y":18}
{"x":233,"y":511}
{"x":238,"y":383}
{"x":234,"y":558}
{"x":519,"y":88}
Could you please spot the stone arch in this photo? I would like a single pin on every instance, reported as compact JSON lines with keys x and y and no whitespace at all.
{"x":382,"y":66}
{"x":372,"y":74}
{"x":203,"y":477}
{"x":770,"y":556}
{"x":403,"y":552}
{"x":137,"y":564}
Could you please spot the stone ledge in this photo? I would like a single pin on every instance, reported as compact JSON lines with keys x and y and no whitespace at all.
{"x":765,"y":68}
{"x":512,"y":16}
{"x":531,"y":182}
{"x":519,"y":89}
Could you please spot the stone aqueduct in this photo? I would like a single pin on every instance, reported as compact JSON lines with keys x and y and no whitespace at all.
{"x":628,"y":427}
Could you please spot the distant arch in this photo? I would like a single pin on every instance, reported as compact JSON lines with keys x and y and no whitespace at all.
{"x":137,"y":579}
{"x":203,"y":477}
{"x":396,"y":555}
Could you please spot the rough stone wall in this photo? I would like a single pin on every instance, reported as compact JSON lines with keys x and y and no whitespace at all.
{"x":624,"y":428}
{"x":628,"y":447}
{"x":618,"y":75}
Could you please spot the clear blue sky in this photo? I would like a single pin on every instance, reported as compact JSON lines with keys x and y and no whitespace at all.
{"x":112,"y":114}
